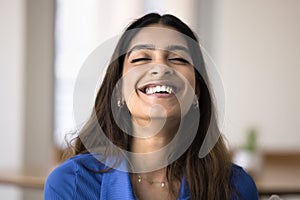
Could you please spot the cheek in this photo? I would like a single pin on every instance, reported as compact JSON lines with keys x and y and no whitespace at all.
{"x":192,"y":78}
{"x":189,"y":75}
{"x":128,"y":89}
{"x":192,"y":81}
{"x":130,"y":81}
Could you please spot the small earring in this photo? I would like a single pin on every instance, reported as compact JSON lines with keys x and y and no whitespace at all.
{"x":120,"y":103}
{"x":196,"y":103}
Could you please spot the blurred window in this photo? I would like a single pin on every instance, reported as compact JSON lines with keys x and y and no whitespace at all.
{"x":78,"y":31}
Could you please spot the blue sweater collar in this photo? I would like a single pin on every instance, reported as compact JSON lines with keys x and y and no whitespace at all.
{"x":118,"y":186}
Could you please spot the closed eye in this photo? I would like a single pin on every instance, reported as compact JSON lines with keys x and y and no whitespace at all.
{"x":179,"y":60}
{"x":140,"y":59}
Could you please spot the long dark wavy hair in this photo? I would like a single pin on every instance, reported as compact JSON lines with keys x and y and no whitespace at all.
{"x":207,"y":177}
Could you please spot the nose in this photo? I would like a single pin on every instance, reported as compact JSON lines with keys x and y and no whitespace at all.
{"x":161,"y":70}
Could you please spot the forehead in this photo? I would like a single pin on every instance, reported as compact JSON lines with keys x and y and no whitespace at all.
{"x":159,"y":36}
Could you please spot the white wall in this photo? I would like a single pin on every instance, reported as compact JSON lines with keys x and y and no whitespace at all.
{"x":257,"y":47}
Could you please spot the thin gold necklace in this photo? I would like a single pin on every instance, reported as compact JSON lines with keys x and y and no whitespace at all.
{"x":140,"y":179}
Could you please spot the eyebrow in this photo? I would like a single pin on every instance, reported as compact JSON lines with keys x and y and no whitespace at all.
{"x":152,"y":47}
{"x":141,"y":46}
{"x":178,"y":47}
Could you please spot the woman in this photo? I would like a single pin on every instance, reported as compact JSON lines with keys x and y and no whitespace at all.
{"x":152,"y":115}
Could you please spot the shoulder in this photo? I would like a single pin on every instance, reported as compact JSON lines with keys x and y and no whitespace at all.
{"x":243,"y":183}
{"x":64,"y":181}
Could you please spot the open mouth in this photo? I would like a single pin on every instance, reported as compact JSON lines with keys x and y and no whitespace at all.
{"x":158,"y":89}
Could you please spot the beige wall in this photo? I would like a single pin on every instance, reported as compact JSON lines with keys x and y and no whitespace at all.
{"x":257,"y":47}
{"x":11,"y":87}
{"x":26,"y":85}
{"x":11,"y":81}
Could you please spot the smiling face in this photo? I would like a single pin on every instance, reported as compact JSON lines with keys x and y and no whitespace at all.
{"x":158,"y":75}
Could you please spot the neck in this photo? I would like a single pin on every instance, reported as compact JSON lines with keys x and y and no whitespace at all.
{"x":154,"y":136}
{"x":148,"y":144}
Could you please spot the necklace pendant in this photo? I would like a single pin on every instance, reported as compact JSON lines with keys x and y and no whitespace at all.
{"x":139,"y":179}
{"x":163,"y":184}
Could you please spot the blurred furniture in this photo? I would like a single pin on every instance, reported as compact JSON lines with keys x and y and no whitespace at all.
{"x":280,"y":173}
{"x":22,"y":180}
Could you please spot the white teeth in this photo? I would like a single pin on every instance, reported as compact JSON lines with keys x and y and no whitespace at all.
{"x":158,"y":88}
{"x":169,"y":90}
{"x":150,"y":91}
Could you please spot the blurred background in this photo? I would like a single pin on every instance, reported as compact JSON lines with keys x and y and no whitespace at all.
{"x":255,"y":46}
